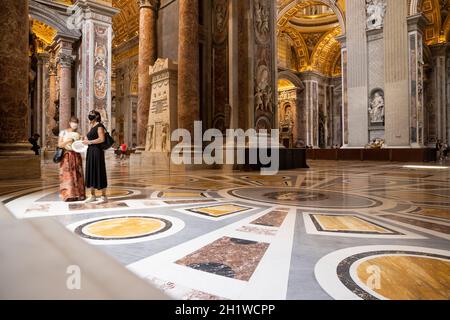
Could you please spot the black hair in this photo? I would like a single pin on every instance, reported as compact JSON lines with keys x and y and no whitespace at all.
{"x":97,"y":115}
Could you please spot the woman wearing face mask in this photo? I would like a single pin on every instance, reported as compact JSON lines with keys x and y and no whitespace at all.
{"x":71,"y":179}
{"x":95,"y":160}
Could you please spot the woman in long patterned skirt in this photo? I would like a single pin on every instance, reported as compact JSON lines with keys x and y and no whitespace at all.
{"x":71,"y":167}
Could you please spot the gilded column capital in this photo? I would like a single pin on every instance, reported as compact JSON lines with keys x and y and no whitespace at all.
{"x":152,"y":4}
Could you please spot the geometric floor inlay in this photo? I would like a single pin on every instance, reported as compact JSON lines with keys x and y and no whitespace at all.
{"x":438,"y":227}
{"x":298,"y":235}
{"x":307,"y":198}
{"x":219,"y":210}
{"x":386,"y":272}
{"x":408,"y":277}
{"x":348,"y":224}
{"x":122,"y":229}
{"x":227,"y":257}
{"x":433,"y":212}
{"x":272,"y":219}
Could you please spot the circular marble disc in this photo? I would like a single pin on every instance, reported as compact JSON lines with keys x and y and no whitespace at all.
{"x":305,"y":198}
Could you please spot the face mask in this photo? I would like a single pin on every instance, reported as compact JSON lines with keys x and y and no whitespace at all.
{"x":74,"y":125}
{"x":92,"y":117}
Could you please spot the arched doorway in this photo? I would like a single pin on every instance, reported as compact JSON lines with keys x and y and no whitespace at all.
{"x":308,"y":38}
{"x":49,"y":32}
{"x":291,"y":120}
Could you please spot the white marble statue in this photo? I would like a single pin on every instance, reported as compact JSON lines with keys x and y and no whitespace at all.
{"x":376,"y":10}
{"x":376,"y":108}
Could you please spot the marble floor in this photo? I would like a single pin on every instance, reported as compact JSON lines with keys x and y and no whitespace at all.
{"x":340,"y":230}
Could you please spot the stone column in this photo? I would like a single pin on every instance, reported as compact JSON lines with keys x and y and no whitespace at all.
{"x":188,"y":65}
{"x":264,"y":68}
{"x":375,"y":84}
{"x":14,"y":69}
{"x":448,"y":95}
{"x":416,"y":76}
{"x":16,"y":158}
{"x":312,"y":111}
{"x":233,"y":68}
{"x":51,"y":107}
{"x":245,"y":61}
{"x":96,"y":60}
{"x":42,"y":90}
{"x":65,"y":62}
{"x":356,"y":131}
{"x":439,"y":90}
{"x":344,"y":94}
{"x":148,"y":16}
{"x":396,"y":77}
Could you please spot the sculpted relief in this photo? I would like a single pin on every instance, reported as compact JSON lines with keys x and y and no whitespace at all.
{"x":263,"y":12}
{"x":262,"y":21}
{"x":376,"y":10}
{"x":376,"y":107}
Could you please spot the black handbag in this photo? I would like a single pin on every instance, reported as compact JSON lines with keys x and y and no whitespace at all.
{"x":59,"y":153}
{"x":109,"y":141}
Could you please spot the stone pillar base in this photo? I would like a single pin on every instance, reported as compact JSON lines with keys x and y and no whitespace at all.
{"x":20,"y":167}
{"x":17,"y":161}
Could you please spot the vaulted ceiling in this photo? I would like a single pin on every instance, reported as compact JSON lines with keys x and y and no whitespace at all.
{"x":311,"y":28}
{"x":126,"y":22}
{"x":436,"y":12}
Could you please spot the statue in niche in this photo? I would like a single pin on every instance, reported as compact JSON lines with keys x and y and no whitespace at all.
{"x":288,"y":121}
{"x":376,"y":10}
{"x":164,"y":136}
{"x":376,"y":107}
{"x":149,"y":144}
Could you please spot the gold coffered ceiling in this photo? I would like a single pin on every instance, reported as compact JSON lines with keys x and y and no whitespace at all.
{"x":43,"y":32}
{"x":312,"y":28}
{"x":436,"y":12}
{"x":126,"y":22}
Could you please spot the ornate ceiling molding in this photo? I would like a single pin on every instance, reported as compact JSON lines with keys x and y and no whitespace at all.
{"x":324,"y":55}
{"x":289,"y":8}
{"x":43,"y":31}
{"x":300,"y":46}
{"x":53,"y":19}
{"x":126,"y":22}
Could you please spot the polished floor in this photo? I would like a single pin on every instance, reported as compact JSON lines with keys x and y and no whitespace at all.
{"x":340,"y":230}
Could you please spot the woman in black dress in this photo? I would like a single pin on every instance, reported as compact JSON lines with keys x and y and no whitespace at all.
{"x":95,"y":160}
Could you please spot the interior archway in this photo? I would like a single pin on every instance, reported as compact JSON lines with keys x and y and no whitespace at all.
{"x":308,"y":48}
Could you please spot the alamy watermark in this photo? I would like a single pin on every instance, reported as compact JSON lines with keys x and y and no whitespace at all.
{"x":73,"y":281}
{"x":374,"y":281}
{"x":236,"y":147}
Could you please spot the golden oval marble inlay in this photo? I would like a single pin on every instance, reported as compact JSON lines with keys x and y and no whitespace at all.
{"x":409,"y":277}
{"x":124,"y":227}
